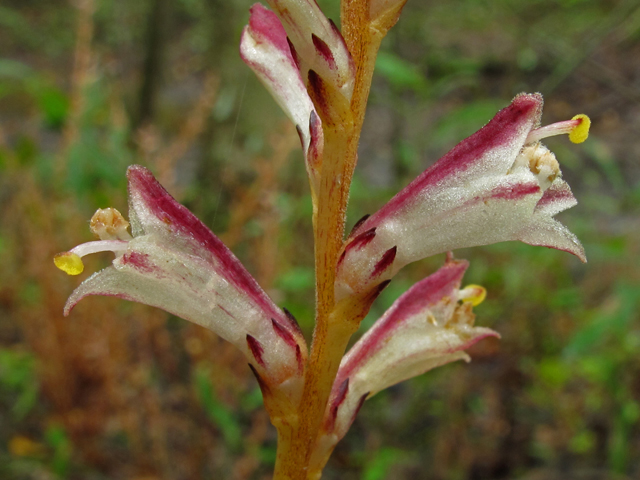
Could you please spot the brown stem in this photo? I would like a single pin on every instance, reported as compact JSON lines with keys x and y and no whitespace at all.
{"x":330,"y":338}
{"x":334,"y":326}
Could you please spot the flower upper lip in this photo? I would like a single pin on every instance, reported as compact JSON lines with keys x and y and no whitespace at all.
{"x":475,"y":155}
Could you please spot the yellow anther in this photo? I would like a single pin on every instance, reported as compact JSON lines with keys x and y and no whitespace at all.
{"x":581,"y":131}
{"x":474,"y":294}
{"x":68,"y":262}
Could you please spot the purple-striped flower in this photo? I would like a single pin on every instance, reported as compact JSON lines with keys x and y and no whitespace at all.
{"x":174,"y":262}
{"x":428,"y":326}
{"x":265,"y":48}
{"x":316,"y":44}
{"x":301,"y":58}
{"x":499,"y":184}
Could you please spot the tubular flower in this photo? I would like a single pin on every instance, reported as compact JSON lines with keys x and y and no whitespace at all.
{"x":172,"y":261}
{"x":265,"y":49}
{"x":499,"y":184}
{"x":428,"y":326}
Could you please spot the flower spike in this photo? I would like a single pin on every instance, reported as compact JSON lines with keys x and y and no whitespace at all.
{"x":499,"y":184}
{"x":172,"y":261}
{"x":428,"y":326}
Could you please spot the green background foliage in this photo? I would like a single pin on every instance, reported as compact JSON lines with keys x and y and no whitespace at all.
{"x":123,"y":391}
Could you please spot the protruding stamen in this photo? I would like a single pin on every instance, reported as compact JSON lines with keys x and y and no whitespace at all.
{"x":474,"y":294}
{"x":69,"y":263}
{"x":577,"y":128}
{"x":109,"y":224}
{"x":115,"y":246}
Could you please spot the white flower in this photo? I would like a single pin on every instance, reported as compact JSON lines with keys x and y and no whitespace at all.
{"x":174,"y":262}
{"x":499,"y":184}
{"x":428,"y":326}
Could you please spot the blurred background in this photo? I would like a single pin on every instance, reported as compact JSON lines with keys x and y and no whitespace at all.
{"x":121,"y":391}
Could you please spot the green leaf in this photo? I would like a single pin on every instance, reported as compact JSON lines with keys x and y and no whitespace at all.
{"x":297,"y":279}
{"x":217,"y":412}
{"x":400,"y":73}
{"x":379,"y":466}
{"x":612,"y":320}
{"x":58,"y":440}
{"x":12,"y":69}
{"x":17,"y":375}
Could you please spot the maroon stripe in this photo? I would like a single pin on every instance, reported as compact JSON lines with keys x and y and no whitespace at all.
{"x":424,"y":293}
{"x":515,"y":192}
{"x":337,"y":401}
{"x":293,"y":322}
{"x":225,"y":311}
{"x":256,"y":350}
{"x":318,"y":92}
{"x":552,"y":195}
{"x":141,"y":262}
{"x":294,"y":53}
{"x":360,"y":403}
{"x":264,"y":388}
{"x":506,"y":124}
{"x":179,"y":219}
{"x":385,"y":262}
{"x":340,"y":38}
{"x":357,"y":225}
{"x":122,"y":296}
{"x":324,"y":51}
{"x":300,"y":360}
{"x":359,"y":242}
{"x":362,"y":240}
{"x":283,"y":333}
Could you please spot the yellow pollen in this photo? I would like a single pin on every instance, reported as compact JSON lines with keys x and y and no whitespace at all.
{"x":581,"y":131}
{"x":478,"y":295}
{"x":69,"y":263}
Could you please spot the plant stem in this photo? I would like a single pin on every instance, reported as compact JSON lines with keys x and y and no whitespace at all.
{"x":333,"y":330}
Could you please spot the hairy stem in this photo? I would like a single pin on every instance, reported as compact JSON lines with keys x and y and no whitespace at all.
{"x":334,"y":327}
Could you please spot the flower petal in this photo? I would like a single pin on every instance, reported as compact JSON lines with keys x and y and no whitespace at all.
{"x":264,"y":47}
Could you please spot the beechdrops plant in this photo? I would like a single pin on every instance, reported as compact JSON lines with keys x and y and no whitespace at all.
{"x":499,"y":184}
